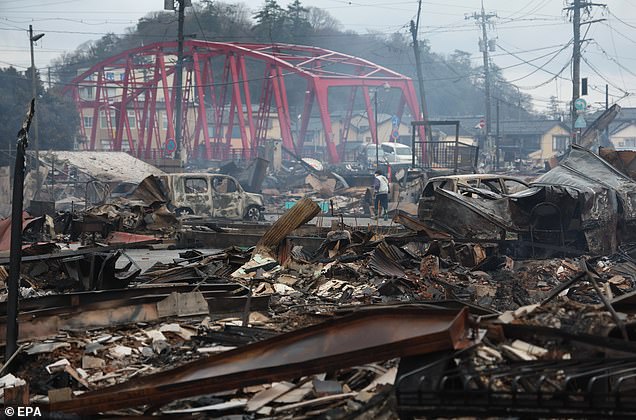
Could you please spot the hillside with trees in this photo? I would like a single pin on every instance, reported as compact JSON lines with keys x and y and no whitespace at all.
{"x":57,"y":115}
{"x":453,"y":86}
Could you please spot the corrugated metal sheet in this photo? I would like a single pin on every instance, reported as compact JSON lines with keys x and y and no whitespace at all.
{"x":104,"y":166}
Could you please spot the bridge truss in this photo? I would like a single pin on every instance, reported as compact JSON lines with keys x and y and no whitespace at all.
{"x":226,"y":87}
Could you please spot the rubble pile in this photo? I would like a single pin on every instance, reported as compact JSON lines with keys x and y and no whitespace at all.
{"x":407,"y":320}
{"x":353,"y":271}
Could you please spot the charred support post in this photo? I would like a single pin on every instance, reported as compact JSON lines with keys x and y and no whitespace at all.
{"x":15,"y":257}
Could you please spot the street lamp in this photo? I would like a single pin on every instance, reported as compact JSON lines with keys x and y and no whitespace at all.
{"x":375,"y":117}
{"x":386,"y":87}
{"x":32,"y":39}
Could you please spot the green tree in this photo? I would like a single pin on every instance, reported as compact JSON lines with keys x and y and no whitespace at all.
{"x":297,"y":21}
{"x":270,"y":20}
{"x":321,"y":20}
{"x":57,"y":116}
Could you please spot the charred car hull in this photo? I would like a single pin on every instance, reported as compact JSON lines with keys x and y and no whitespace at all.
{"x":584,"y":204}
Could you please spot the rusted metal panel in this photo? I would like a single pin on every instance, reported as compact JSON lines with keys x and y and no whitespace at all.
{"x":150,"y":191}
{"x":302,"y":212}
{"x":623,"y":160}
{"x":384,"y":261}
{"x":363,"y":337}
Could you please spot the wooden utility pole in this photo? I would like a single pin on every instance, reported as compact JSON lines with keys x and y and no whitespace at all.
{"x":178,"y":82}
{"x":575,"y":7}
{"x":576,"y":58}
{"x":483,"y":19}
{"x":415,"y":26}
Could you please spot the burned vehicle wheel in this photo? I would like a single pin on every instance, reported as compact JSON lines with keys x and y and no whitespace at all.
{"x":253,"y":213}
{"x":183,"y":211}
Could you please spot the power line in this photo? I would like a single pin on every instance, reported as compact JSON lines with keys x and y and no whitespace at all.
{"x":484,"y":19}
{"x":537,"y":68}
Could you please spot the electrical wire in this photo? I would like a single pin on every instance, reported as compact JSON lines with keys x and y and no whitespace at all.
{"x":537,"y":68}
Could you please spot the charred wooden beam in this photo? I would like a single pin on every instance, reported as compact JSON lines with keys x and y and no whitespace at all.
{"x":13,"y":286}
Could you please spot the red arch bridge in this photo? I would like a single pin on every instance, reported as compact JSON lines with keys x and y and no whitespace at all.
{"x":222,"y":83}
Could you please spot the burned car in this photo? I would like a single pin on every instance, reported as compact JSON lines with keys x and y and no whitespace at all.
{"x":491,"y":186}
{"x":583,"y":205}
{"x":211,"y":195}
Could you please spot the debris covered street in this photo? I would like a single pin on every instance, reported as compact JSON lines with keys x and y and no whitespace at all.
{"x":334,"y":210}
{"x":127,"y":309}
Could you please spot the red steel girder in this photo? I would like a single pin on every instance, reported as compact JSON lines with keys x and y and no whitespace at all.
{"x":146,"y":96}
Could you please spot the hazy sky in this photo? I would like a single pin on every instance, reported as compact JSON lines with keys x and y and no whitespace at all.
{"x":531,"y":35}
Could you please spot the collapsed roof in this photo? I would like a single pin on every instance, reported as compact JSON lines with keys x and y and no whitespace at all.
{"x":103,"y":166}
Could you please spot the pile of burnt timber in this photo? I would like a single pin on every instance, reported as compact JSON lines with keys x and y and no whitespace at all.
{"x":364,"y":323}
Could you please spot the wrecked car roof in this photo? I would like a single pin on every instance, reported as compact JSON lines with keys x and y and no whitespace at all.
{"x":465,"y":177}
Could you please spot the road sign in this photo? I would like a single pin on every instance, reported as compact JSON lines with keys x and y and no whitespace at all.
{"x":171,"y":145}
{"x":580,"y":122}
{"x":395,"y":120}
{"x":395,"y":134}
{"x":580,"y":104}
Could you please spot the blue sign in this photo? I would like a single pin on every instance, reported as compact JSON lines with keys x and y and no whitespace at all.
{"x":395,"y":120}
{"x":171,"y":145}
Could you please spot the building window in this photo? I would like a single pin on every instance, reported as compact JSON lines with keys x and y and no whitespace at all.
{"x":105,"y":144}
{"x":629,"y":143}
{"x":86,"y":92}
{"x":88,"y":122}
{"x":164,"y":120}
{"x":560,"y":143}
{"x":103,"y":119}
{"x":132,"y":119}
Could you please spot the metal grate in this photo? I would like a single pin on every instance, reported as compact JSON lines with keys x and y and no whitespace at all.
{"x":561,"y":388}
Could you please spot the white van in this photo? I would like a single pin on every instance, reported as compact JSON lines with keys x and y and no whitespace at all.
{"x":397,"y":153}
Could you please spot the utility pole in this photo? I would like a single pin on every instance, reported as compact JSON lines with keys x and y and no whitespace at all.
{"x":483,"y":19}
{"x":418,"y":65}
{"x":607,"y":139}
{"x":497,"y":140}
{"x":576,"y":58}
{"x":575,"y":7}
{"x":34,"y":92}
{"x":179,"y":154}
